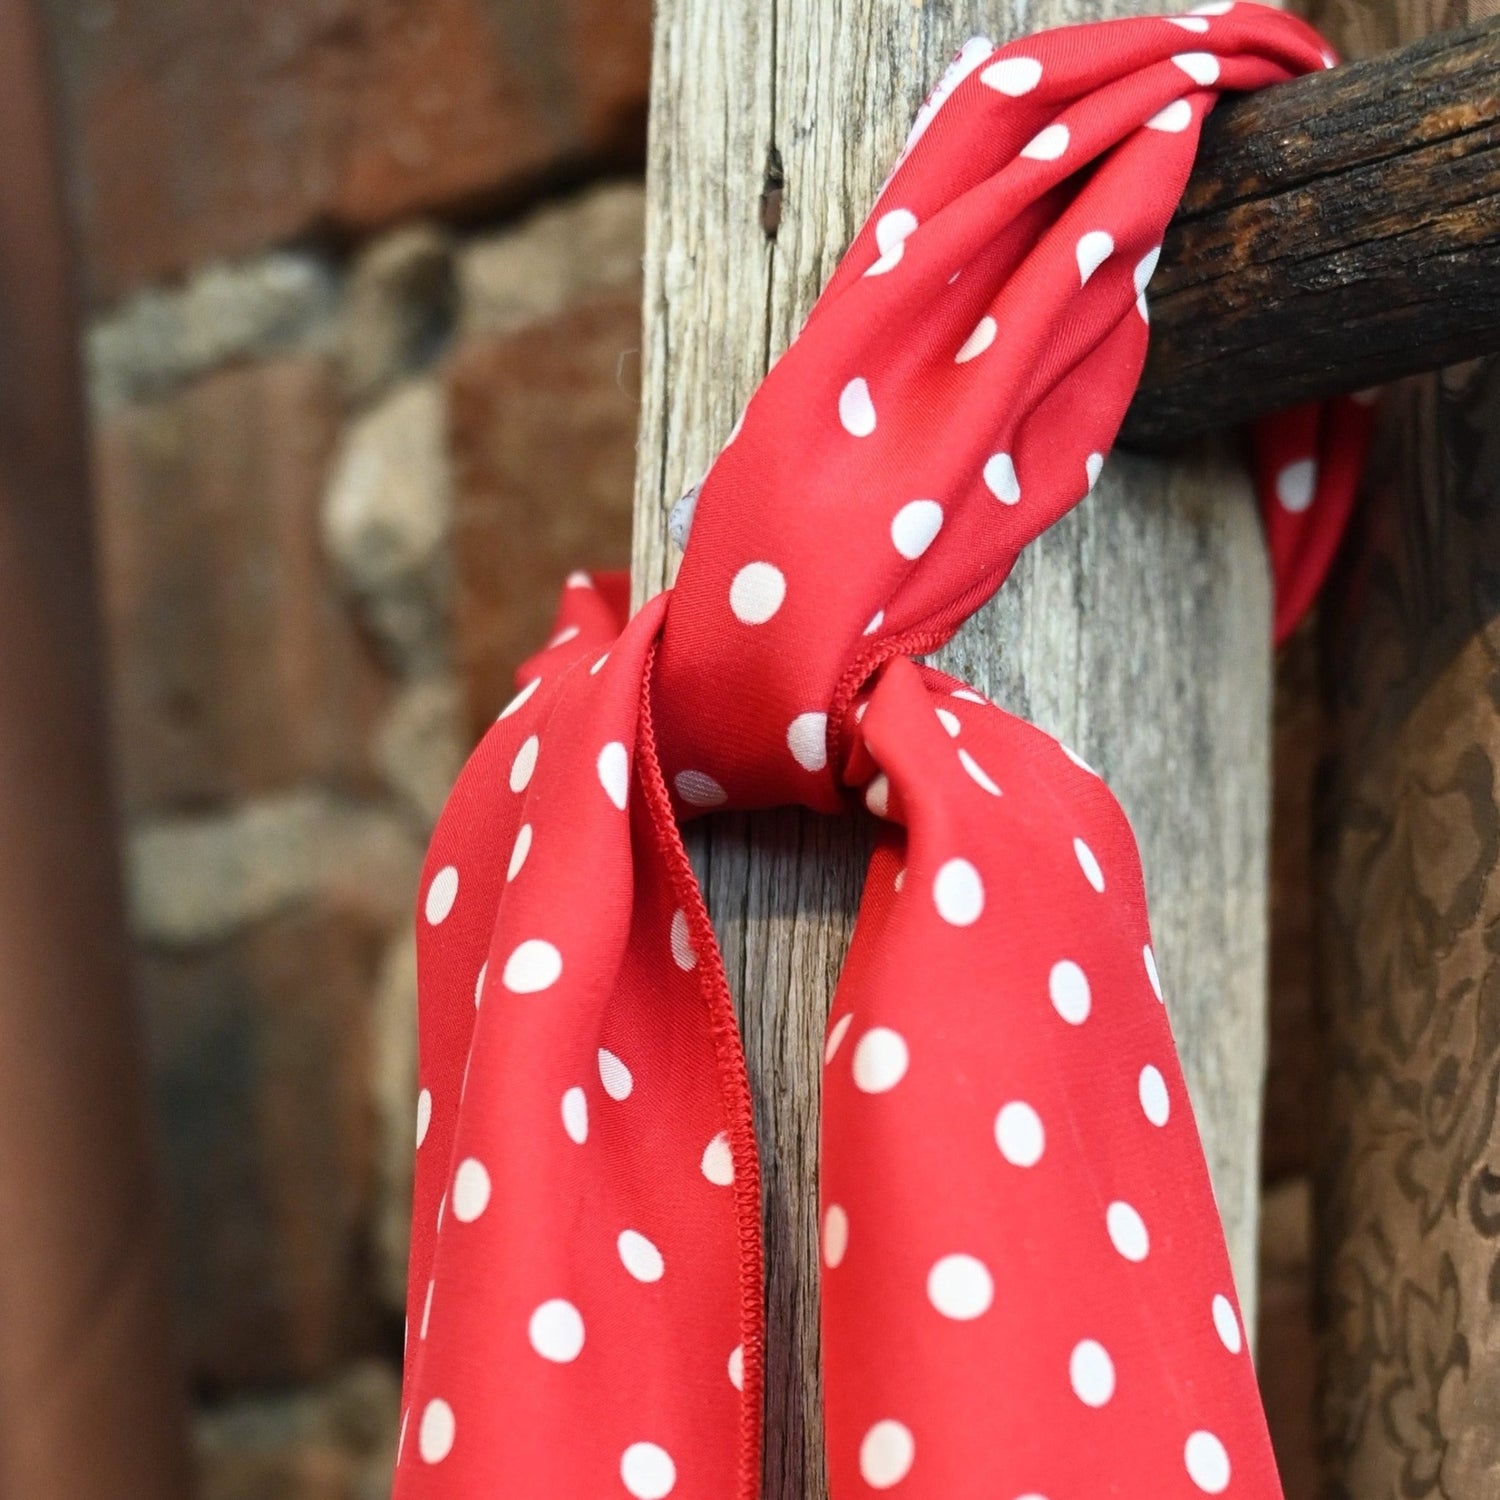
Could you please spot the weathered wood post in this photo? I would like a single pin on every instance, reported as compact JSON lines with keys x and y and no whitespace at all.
{"x":1137,"y":631}
{"x":1408,"y":1229}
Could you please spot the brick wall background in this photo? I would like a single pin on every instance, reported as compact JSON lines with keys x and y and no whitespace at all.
{"x":364,"y":286}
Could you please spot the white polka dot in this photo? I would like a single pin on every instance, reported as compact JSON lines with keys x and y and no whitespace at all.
{"x":757,"y":592}
{"x":471,"y":1190}
{"x":1012,"y":75}
{"x":442,"y":1205}
{"x":1093,"y":250}
{"x":683,"y":953}
{"x":886,"y":1454}
{"x":1189,"y":23}
{"x":876,"y":621}
{"x":401,"y":1436}
{"x":900,"y":880}
{"x":594,"y":670}
{"x":519,"y":850}
{"x":891,"y":231}
{"x":1145,"y":269}
{"x":427,"y":1310}
{"x":1047,"y":144}
{"x":1000,"y":478}
{"x":835,"y":1235}
{"x":960,"y":1287}
{"x":579,"y":581}
{"x":914,"y":527}
{"x":978,"y":341}
{"x":484,"y":969}
{"x":424,"y":1115}
{"x":968,"y":695}
{"x":977,"y":772}
{"x":1227,"y":1324}
{"x":878,"y":795}
{"x":524,"y":764}
{"x":1295,"y":485}
{"x":534,"y":966}
{"x":1207,"y":1463}
{"x":1127,"y":1231}
{"x":1019,"y":1134}
{"x":614,"y":1075}
{"x":441,"y":894}
{"x":880,"y":1060}
{"x":1093,"y":467}
{"x":1088,"y":864}
{"x":856,"y":410}
{"x":556,"y":1331}
{"x":1092,"y":1373}
{"x":435,"y":1435}
{"x":949,"y":720}
{"x":639,"y":1256}
{"x":718,"y":1161}
{"x":1201,"y":67}
{"x":1156,"y":1104}
{"x":614,"y":773}
{"x":836,"y":1034}
{"x":648,"y":1471}
{"x":575,"y":1115}
{"x":1149,"y":959}
{"x":563,"y":636}
{"x":737,"y":1367}
{"x":1175,"y":117}
{"x":699,"y":789}
{"x":1077,"y":759}
{"x":958,"y":893}
{"x":807,"y":739}
{"x":521,"y":698}
{"x":1068,"y":986}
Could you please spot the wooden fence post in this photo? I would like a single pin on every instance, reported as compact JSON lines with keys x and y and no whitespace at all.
{"x":1407,"y":1244}
{"x":1137,"y":630}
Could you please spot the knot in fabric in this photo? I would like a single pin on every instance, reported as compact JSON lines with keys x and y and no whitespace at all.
{"x":1024,"y":1285}
{"x":954,"y":392}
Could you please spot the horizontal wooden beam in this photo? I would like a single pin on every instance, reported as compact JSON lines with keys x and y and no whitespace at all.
{"x":1338,"y":231}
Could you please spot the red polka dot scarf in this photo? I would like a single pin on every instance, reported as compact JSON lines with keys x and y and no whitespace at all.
{"x":1025,"y":1291}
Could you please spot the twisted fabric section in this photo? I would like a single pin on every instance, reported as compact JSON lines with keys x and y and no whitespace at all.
{"x":1025,"y":1288}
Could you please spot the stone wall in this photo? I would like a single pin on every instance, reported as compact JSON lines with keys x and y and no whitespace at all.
{"x":337,"y":495}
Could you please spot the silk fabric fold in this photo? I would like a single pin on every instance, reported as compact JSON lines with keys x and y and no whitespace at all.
{"x":1025,"y":1291}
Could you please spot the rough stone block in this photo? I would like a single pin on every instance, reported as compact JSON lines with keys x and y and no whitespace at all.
{"x":261,"y":1052}
{"x":544,"y":424}
{"x":400,"y":304}
{"x":386,"y":522}
{"x":277,"y":304}
{"x":553,"y":259}
{"x":335,"y":1441}
{"x":237,"y":666}
{"x":208,"y":131}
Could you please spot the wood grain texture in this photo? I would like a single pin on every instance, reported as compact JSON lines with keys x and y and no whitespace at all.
{"x":1408,"y":1203}
{"x":1136,"y":629}
{"x":1338,"y":232}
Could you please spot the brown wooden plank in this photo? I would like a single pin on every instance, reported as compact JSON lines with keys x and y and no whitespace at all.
{"x":90,"y":1399}
{"x":1338,"y":231}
